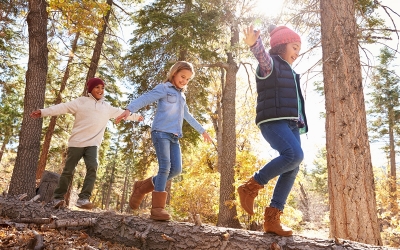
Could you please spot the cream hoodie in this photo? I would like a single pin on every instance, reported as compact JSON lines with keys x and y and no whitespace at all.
{"x":91,"y":117}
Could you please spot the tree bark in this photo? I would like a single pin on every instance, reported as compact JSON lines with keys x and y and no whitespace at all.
{"x":394,"y":208}
{"x":146,"y":234}
{"x":353,"y":213}
{"x":3,"y":145}
{"x":23,"y":177}
{"x":110,"y":186}
{"x":227,"y":215}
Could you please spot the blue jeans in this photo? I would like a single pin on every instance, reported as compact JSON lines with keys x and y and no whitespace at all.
{"x":283,"y":136}
{"x":169,"y":158}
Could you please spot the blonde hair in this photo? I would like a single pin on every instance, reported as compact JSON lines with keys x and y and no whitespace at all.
{"x":178,"y":66}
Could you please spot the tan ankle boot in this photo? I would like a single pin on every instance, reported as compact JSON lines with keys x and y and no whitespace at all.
{"x":272,"y":222}
{"x":140,"y":189}
{"x":157,"y":206}
{"x":247,"y":193}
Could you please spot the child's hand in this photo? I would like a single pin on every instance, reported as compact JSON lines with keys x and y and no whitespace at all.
{"x":36,"y":114}
{"x":207,"y":137}
{"x":124,"y":115}
{"x":141,"y":118}
{"x":250,"y":35}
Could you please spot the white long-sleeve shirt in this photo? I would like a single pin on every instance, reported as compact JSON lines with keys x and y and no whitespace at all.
{"x":91,"y":117}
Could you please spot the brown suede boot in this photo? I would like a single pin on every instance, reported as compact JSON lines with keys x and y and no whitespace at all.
{"x":157,"y":206}
{"x":140,"y":189}
{"x":247,"y":193}
{"x":272,"y":222}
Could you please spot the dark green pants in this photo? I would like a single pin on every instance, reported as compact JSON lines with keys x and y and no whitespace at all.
{"x":74,"y":154}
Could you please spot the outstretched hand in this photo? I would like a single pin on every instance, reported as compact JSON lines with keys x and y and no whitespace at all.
{"x":36,"y":114}
{"x":207,"y":137}
{"x":124,"y":115}
{"x":250,"y":35}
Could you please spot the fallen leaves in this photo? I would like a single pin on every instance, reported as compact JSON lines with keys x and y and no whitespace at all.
{"x":13,"y":237}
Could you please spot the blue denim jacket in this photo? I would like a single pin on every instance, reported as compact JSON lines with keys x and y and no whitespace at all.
{"x":171,"y":109}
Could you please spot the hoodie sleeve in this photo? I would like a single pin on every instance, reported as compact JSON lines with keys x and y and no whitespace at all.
{"x":62,"y":108}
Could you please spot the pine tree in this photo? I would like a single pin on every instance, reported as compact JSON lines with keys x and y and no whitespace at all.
{"x":385,"y":112}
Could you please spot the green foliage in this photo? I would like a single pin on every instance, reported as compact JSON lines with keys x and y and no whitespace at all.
{"x":168,"y":31}
{"x":384,"y":98}
{"x":370,"y":24}
{"x":11,"y":107}
{"x":11,"y":40}
{"x":319,"y":174}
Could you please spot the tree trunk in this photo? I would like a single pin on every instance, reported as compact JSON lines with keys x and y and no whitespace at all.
{"x":227,"y":215}
{"x":125,"y":189}
{"x":47,"y":185}
{"x":94,"y":62}
{"x":394,"y":208}
{"x":3,"y":146}
{"x":109,"y":187}
{"x":23,"y":177}
{"x":50,"y":129}
{"x":353,"y":213}
{"x":146,"y":234}
{"x":219,"y":121}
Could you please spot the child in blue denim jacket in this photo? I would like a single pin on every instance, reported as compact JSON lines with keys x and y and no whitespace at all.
{"x":165,"y":133}
{"x":280,"y":115}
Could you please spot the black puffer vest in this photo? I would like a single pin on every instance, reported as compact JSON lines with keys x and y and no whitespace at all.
{"x":278,"y":95}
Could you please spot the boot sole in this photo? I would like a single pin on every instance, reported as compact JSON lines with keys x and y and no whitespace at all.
{"x":86,"y":206}
{"x":280,"y":234}
{"x":159,"y":218}
{"x":60,"y":204}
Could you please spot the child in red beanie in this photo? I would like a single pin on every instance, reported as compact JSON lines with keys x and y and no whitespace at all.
{"x":91,"y":113}
{"x":280,"y":115}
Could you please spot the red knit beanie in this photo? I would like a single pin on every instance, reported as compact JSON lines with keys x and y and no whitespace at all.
{"x":282,"y":35}
{"x":93,"y":83}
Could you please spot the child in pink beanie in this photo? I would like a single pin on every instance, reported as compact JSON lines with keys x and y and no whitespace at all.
{"x":280,"y":115}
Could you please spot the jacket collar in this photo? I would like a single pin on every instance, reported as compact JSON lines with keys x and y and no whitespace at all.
{"x":100,"y":100}
{"x":170,"y":85}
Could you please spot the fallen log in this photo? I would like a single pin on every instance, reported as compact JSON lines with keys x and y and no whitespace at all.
{"x":84,"y":222}
{"x":145,"y":234}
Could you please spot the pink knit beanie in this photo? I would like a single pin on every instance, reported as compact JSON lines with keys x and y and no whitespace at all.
{"x":93,"y":83}
{"x":282,"y":35}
